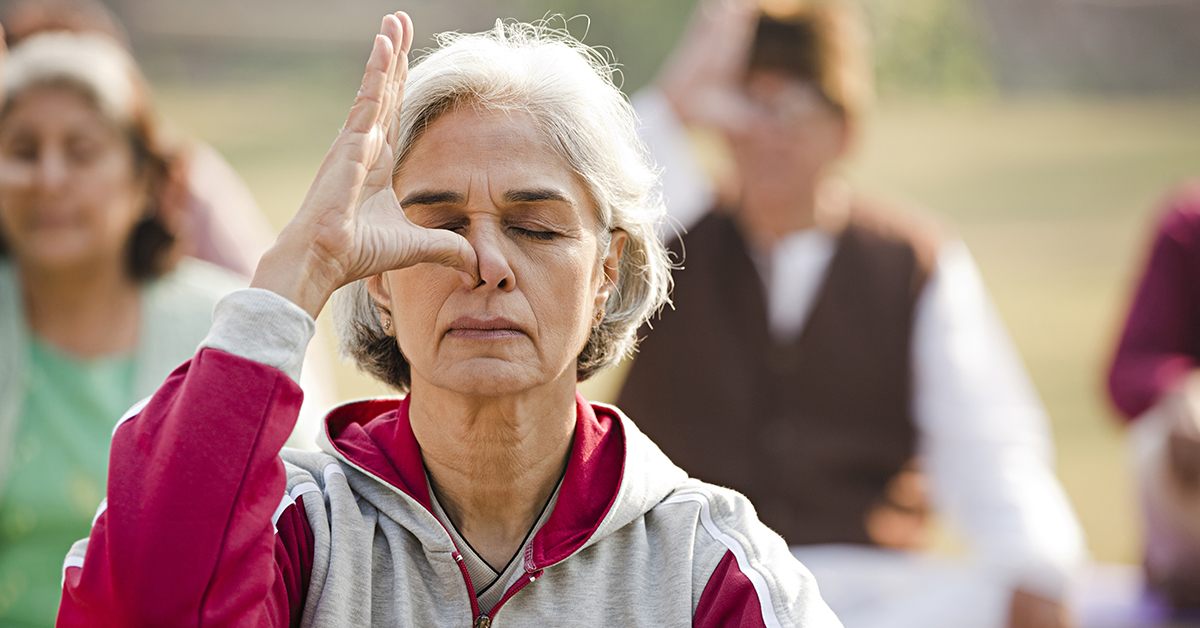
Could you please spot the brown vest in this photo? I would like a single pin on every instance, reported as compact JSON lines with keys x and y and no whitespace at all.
{"x":814,"y":431}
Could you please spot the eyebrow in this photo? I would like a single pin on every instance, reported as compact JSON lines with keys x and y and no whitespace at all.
{"x":448,"y":197}
{"x":535,"y":195}
{"x":433,"y":197}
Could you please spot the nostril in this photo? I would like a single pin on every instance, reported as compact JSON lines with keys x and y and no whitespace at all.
{"x":503,"y":283}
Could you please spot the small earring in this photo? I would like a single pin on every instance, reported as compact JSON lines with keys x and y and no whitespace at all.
{"x":599,"y":316}
{"x":387,"y":324}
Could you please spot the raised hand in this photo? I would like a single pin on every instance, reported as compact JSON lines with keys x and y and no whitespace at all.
{"x":700,"y":79}
{"x":350,"y":225}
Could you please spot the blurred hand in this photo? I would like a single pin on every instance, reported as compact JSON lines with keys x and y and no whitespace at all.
{"x":1029,"y":610}
{"x":701,"y":79}
{"x":350,"y":225}
{"x":1183,"y":444}
{"x":3,"y":58}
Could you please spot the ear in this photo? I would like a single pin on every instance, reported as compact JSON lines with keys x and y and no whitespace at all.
{"x":380,"y":290}
{"x":612,"y":264}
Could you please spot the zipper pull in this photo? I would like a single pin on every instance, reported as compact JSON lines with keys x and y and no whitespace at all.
{"x":483,"y":621}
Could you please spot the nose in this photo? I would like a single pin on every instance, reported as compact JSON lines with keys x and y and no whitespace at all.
{"x":490,"y":251}
{"x":52,"y":171}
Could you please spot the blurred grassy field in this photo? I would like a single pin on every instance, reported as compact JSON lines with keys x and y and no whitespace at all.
{"x":1052,"y":196}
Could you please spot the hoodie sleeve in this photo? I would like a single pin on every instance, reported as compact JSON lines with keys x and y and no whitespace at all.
{"x":187,"y":534}
{"x":1158,"y":345}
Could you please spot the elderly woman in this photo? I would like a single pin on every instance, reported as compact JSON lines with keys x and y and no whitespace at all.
{"x":497,"y":243}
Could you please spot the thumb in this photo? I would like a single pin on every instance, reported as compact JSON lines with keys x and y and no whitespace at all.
{"x":453,"y":251}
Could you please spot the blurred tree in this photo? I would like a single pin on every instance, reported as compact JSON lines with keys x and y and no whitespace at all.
{"x":930,"y":47}
{"x":639,"y":33}
{"x":921,"y":46}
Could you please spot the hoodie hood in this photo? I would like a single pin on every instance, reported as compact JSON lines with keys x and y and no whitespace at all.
{"x":614,"y":473}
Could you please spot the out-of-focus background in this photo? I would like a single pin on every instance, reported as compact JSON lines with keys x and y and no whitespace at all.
{"x":1044,"y":132}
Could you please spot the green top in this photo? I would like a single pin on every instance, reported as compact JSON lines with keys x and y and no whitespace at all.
{"x":56,"y":482}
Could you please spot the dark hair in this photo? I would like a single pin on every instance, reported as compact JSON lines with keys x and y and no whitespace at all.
{"x":821,"y":42}
{"x":152,"y":247}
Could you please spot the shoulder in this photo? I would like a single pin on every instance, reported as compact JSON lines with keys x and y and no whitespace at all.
{"x":188,"y":293}
{"x":317,"y":479}
{"x":722,"y":517}
{"x":1181,"y":219}
{"x":746,"y":573}
{"x":200,"y":280}
{"x":897,"y":225}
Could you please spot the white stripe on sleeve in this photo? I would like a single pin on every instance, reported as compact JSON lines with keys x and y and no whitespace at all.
{"x":283,"y":505}
{"x":739,"y":552}
{"x":132,"y":412}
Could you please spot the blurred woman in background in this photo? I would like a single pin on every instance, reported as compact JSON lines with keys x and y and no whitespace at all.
{"x":97,"y":302}
{"x":1155,"y":383}
{"x":221,"y":222}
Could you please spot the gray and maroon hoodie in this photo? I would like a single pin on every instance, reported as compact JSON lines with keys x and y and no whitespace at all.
{"x":206,"y":523}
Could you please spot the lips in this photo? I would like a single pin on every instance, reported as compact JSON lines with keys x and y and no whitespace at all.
{"x":491,"y":328}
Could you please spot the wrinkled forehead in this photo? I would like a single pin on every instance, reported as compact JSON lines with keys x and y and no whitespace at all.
{"x":509,"y":149}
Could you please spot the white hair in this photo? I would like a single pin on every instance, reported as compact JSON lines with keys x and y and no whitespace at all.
{"x":568,"y":89}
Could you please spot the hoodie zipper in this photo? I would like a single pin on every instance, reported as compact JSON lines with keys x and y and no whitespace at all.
{"x":462,"y":566}
{"x":484,"y":620}
{"x":481,"y":620}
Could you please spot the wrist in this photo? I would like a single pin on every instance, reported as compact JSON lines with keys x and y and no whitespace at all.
{"x":297,"y":274}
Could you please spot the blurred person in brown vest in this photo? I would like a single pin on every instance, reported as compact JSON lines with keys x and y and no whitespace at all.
{"x":834,"y":357}
{"x":1155,"y":383}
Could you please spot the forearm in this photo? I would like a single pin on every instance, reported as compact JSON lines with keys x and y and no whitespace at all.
{"x":686,"y":190}
{"x":984,"y":437}
{"x":194,"y":480}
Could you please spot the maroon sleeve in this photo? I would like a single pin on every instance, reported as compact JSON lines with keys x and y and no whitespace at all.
{"x":1159,"y":344}
{"x":294,"y":557}
{"x":729,"y":599}
{"x":187,"y":536}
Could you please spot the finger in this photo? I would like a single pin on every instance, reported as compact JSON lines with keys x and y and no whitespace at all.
{"x":401,"y":74}
{"x":368,"y":103}
{"x":451,"y":250}
{"x":394,"y":31}
{"x":406,"y":22}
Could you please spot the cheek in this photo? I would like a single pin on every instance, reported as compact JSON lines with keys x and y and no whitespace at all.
{"x":118,"y":188}
{"x":568,"y":290}
{"x":418,"y":294}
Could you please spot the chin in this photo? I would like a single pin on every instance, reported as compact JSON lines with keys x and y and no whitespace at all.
{"x":489,"y":377}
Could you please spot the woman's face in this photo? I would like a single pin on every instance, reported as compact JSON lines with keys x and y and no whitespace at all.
{"x":791,"y":136}
{"x":69,"y":192}
{"x":492,"y":178}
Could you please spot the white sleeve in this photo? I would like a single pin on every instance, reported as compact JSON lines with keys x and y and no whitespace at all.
{"x":263,"y":326}
{"x":984,"y":437}
{"x":685,"y":188}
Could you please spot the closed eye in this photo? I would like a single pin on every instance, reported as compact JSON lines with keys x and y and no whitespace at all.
{"x":533,"y":234}
{"x":456,"y":226}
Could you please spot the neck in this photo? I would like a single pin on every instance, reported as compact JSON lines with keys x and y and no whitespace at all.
{"x":770,"y":212}
{"x":88,"y":312}
{"x":494,"y":461}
